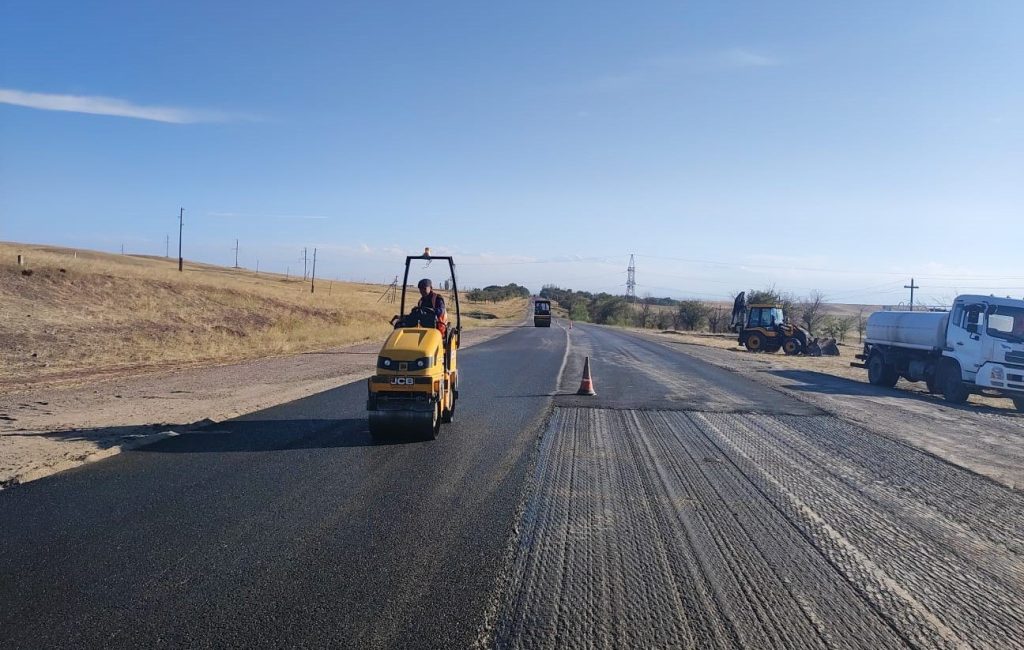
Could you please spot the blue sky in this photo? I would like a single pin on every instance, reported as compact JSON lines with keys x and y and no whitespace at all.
{"x":729,"y":145}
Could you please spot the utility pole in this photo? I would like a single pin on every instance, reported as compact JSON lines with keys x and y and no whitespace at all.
{"x":390,"y":292}
{"x":305,"y":272}
{"x":122,"y":249}
{"x":181,"y":224}
{"x":167,"y":246}
{"x":257,"y":266}
{"x":312,"y":277}
{"x":631,"y":280}
{"x":236,"y":253}
{"x":287,"y":272}
{"x":911,"y":286}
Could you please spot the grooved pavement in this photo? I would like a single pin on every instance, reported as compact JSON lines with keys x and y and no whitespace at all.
{"x":697,"y":523}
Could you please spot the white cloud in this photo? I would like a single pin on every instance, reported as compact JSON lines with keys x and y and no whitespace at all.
{"x":96,"y":105}
{"x":659,"y":69}
{"x":739,"y":58}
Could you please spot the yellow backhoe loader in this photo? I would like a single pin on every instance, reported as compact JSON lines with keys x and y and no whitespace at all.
{"x":766,"y":330}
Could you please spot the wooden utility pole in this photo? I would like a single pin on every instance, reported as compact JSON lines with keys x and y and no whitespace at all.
{"x":312,"y":276}
{"x":167,"y":246}
{"x":236,"y":253}
{"x":181,"y":223}
{"x":305,"y":269}
{"x":911,"y":286}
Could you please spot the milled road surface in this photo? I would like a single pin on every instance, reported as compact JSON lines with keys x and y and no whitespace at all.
{"x":683,"y":506}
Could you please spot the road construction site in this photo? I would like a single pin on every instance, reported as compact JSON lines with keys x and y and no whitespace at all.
{"x":686,"y":504}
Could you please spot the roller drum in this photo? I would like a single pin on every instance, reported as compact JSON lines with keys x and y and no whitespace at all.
{"x":415,"y":420}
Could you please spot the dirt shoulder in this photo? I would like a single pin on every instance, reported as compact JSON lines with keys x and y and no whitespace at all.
{"x":986,"y":435}
{"x":47,"y":430}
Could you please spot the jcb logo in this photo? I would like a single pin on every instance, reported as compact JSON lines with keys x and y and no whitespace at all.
{"x":402,"y":381}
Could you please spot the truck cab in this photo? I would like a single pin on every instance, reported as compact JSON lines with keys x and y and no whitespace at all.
{"x":985,"y":337}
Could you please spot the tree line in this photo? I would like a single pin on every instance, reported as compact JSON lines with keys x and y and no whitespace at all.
{"x":494,"y":293}
{"x":699,"y":315}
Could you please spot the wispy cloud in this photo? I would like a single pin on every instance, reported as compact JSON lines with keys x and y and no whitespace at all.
{"x":740,"y":58}
{"x":236,"y":215}
{"x":96,"y":105}
{"x":665,"y":68}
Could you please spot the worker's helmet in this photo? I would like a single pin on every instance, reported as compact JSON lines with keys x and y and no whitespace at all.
{"x":424,"y":283}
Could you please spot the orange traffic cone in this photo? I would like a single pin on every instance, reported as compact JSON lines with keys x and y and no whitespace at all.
{"x":587,"y":385}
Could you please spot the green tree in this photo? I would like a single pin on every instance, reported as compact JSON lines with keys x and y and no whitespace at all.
{"x":578,"y":311}
{"x":692,"y":314}
{"x":771,"y":296}
{"x":612,"y":310}
{"x":812,"y":311}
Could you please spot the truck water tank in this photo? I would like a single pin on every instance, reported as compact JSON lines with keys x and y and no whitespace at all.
{"x":921,"y":330}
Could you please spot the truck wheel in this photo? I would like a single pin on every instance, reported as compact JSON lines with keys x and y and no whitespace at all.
{"x":754,"y":342}
{"x":932,"y":384}
{"x":792,"y":346}
{"x":1019,"y":403}
{"x":880,"y":373}
{"x":953,"y":388}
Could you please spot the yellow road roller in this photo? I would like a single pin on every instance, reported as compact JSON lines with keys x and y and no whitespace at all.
{"x":416,"y":383}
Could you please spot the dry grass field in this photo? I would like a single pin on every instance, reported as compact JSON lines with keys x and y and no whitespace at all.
{"x":70,"y":315}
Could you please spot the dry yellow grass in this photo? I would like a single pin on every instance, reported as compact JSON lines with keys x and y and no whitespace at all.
{"x":82,"y":314}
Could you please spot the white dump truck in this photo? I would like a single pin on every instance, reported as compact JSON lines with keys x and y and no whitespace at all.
{"x":978,"y":347}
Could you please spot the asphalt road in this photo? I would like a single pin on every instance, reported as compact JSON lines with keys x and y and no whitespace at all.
{"x":683,"y":506}
{"x":288,"y":527}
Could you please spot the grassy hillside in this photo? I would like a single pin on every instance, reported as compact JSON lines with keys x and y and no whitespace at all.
{"x":71,"y":314}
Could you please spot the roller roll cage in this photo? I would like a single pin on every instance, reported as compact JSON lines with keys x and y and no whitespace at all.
{"x":455,"y":288}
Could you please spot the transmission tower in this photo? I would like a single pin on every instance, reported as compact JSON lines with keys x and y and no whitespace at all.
{"x":631,"y":280}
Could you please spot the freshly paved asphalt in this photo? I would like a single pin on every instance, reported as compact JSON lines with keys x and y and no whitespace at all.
{"x":287,"y":527}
